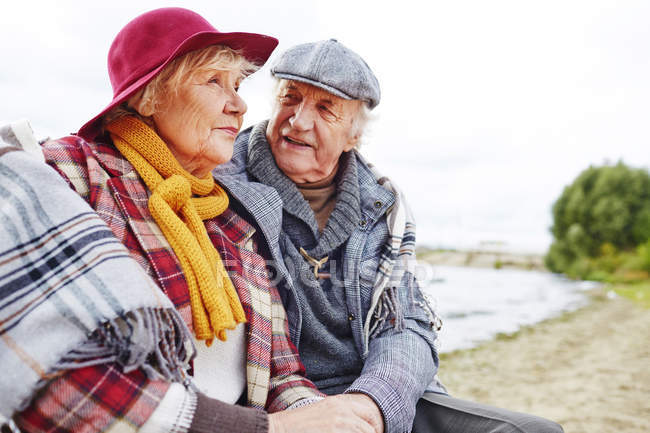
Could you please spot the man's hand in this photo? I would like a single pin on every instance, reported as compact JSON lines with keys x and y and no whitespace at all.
{"x":339,"y":413}
{"x":377,"y":418}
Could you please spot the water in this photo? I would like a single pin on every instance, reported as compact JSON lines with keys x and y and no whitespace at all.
{"x":475,"y":304}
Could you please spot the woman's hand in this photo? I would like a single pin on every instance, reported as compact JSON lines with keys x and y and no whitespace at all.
{"x":343,"y":413}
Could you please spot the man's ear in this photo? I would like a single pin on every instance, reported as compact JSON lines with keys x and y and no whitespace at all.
{"x":352,"y":142}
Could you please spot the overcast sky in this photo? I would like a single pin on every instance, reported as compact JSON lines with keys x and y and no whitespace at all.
{"x":488,"y":108}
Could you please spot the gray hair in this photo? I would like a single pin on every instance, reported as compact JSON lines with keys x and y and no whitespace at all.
{"x":360,"y":122}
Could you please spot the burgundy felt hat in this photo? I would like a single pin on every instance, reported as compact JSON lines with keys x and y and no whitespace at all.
{"x":149,"y":42}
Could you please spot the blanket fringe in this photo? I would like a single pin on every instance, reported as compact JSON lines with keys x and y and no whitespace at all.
{"x":154,"y":339}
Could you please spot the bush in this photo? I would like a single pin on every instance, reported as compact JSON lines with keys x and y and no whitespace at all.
{"x":559,"y":257}
{"x":601,"y":222}
{"x":643,"y":256}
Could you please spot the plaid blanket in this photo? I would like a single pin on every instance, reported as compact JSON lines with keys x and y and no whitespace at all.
{"x":70,"y":295}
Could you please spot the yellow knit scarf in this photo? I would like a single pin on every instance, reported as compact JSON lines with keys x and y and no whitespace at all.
{"x":214,"y":301}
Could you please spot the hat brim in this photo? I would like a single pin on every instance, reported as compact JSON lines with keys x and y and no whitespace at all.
{"x":254,"y":47}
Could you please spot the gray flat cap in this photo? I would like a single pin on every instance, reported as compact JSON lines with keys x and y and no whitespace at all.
{"x":332,"y":67}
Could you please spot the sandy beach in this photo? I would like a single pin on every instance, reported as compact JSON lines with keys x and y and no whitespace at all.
{"x":589,"y":370}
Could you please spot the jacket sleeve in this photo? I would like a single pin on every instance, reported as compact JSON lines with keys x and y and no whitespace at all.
{"x":400,"y":362}
{"x":288,"y":388}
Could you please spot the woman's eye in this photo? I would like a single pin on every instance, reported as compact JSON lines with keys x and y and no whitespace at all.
{"x":215,"y":80}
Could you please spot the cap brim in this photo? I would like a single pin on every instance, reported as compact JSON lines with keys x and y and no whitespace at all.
{"x":332,"y":90}
{"x":255,"y":47}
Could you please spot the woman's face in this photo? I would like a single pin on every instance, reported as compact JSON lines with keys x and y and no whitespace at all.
{"x":199,"y":122}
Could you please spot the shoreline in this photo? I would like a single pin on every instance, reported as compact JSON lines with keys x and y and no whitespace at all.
{"x":483,"y":259}
{"x":587,"y":369}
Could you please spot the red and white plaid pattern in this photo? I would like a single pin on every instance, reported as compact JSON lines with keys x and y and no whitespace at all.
{"x":103,"y":398}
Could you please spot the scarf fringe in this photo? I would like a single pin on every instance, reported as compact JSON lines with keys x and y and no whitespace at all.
{"x":388,"y":305}
{"x":154,"y":339}
{"x":390,"y":308}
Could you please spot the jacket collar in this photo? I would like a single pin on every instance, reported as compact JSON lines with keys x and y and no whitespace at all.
{"x":110,"y":158}
{"x":375,"y":199}
{"x":346,"y":213}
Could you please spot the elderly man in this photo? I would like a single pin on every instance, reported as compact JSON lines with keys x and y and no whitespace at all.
{"x":343,"y":245}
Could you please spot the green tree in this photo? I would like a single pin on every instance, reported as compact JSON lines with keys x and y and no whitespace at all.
{"x":605,"y":208}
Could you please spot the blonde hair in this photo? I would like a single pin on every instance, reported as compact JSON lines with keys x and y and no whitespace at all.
{"x":146,"y":102}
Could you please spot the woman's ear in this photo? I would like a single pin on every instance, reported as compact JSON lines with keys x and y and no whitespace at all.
{"x":144,"y":106}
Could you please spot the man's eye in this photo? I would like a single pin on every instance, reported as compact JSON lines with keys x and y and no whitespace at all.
{"x":327,"y":113}
{"x":215,"y":80}
{"x":288,"y":99}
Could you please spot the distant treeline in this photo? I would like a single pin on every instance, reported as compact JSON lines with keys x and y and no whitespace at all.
{"x":601,"y":225}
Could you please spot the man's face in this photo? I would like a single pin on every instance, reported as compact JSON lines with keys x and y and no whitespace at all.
{"x":309,"y":130}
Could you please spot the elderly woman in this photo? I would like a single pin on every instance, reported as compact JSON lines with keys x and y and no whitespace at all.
{"x":345,"y":242}
{"x":143,"y":164}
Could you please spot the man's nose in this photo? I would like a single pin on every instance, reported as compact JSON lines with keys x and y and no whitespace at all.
{"x":302,"y":119}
